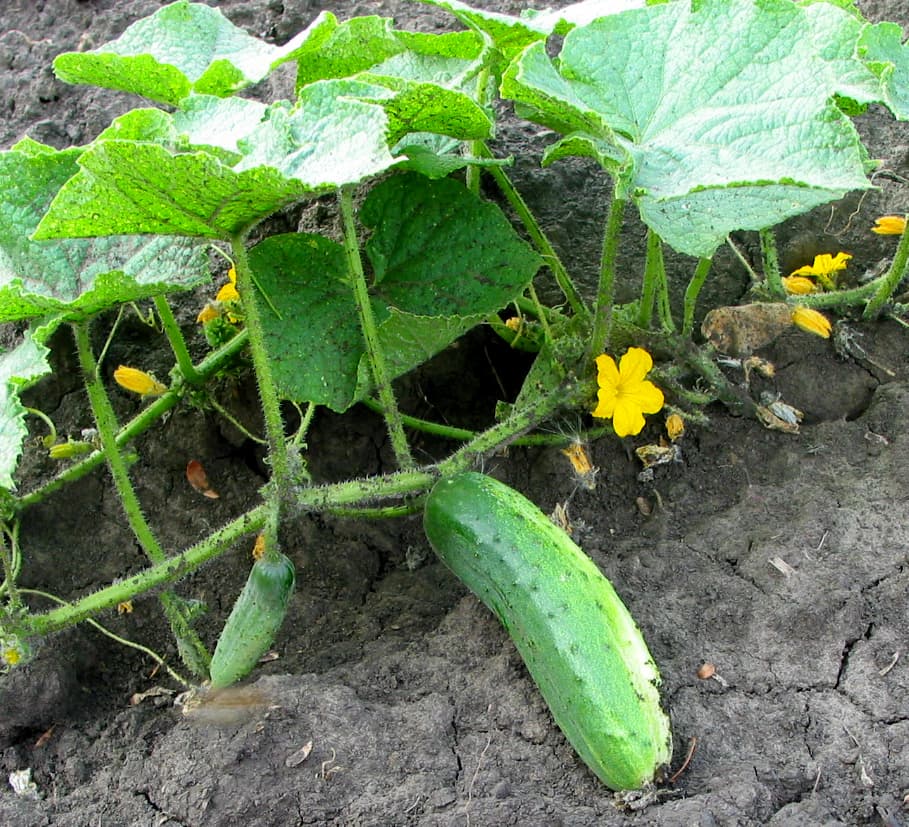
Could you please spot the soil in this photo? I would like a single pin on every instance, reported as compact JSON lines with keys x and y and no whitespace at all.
{"x":396,"y":697}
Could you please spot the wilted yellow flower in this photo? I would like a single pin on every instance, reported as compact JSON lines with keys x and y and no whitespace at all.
{"x":889,"y":225}
{"x":125,"y":607}
{"x":823,"y":268}
{"x":799,"y":285}
{"x":258,"y":551}
{"x":228,"y":293}
{"x":675,"y":426}
{"x":138,"y":381}
{"x":625,"y":395}
{"x":207,"y":313}
{"x":811,"y":321}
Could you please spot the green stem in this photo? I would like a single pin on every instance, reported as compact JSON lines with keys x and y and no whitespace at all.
{"x":891,"y":279}
{"x":540,"y":312}
{"x":537,"y":236}
{"x":374,"y":352}
{"x":771,"y":264}
{"x":11,"y":558}
{"x":692,"y":292}
{"x":121,"y":640}
{"x":664,"y":306}
{"x":840,"y":298}
{"x":51,"y":438}
{"x":521,"y":420}
{"x":268,"y":395}
{"x":106,"y":420}
{"x":147,"y":417}
{"x":177,"y":342}
{"x":602,"y":324}
{"x":168,"y":571}
{"x":648,"y":286}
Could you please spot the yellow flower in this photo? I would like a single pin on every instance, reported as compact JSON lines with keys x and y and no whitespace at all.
{"x":799,"y":285}
{"x":889,"y":225}
{"x":825,"y":265}
{"x":624,"y":394}
{"x":138,"y":381}
{"x":228,"y":293}
{"x":207,"y":313}
{"x":812,"y":321}
{"x":11,"y":656}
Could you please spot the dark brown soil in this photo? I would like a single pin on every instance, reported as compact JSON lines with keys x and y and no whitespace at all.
{"x":781,"y":559}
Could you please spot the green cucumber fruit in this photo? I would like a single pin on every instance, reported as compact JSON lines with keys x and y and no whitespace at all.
{"x":578,"y":641}
{"x":254,"y":620}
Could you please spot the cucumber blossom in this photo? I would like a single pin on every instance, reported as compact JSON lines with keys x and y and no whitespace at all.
{"x":254,"y":620}
{"x":578,"y":641}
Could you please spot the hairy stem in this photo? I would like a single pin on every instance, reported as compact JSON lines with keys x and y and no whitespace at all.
{"x":268,"y":394}
{"x":771,"y":264}
{"x":177,"y":342}
{"x":891,"y":279}
{"x":374,"y":352}
{"x":168,"y":571}
{"x":538,"y":237}
{"x":138,"y":424}
{"x":692,"y":292}
{"x":602,"y":323}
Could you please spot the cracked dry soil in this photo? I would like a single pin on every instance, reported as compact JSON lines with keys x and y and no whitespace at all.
{"x":780,"y":559}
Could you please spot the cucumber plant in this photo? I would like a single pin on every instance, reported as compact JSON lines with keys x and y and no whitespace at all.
{"x":395,"y":125}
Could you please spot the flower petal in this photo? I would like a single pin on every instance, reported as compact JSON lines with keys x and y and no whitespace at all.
{"x":607,"y":372}
{"x":646,"y":396}
{"x":812,"y":321}
{"x":606,"y":401}
{"x":628,"y":419}
{"x":889,"y":225}
{"x":635,"y":365}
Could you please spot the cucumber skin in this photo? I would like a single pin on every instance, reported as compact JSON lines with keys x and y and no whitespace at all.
{"x":578,"y":641}
{"x":253,"y":622}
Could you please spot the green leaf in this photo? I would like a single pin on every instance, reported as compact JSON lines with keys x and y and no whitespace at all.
{"x":372,"y":44}
{"x":716,"y":116}
{"x":19,"y":368}
{"x":428,"y":107}
{"x":327,"y":140}
{"x":835,"y":32}
{"x":561,"y":21}
{"x":352,"y":47}
{"x":509,"y":35}
{"x":888,"y":57}
{"x":436,"y":249}
{"x":185,"y":47}
{"x":125,"y":188}
{"x":442,"y":260}
{"x":73,"y":279}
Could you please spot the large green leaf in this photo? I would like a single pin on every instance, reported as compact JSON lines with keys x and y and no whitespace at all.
{"x":19,"y":368}
{"x":373,"y":44}
{"x":75,"y":278}
{"x":124,"y":187}
{"x":888,"y":56}
{"x":715,"y":116}
{"x":329,"y":139}
{"x":182,"y":48}
{"x":442,"y":260}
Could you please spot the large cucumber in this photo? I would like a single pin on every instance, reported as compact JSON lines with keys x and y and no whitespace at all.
{"x":579,"y":642}
{"x":254,"y":620}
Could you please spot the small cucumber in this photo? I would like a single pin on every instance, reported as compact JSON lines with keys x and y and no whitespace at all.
{"x":578,"y":641}
{"x":254,"y":620}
